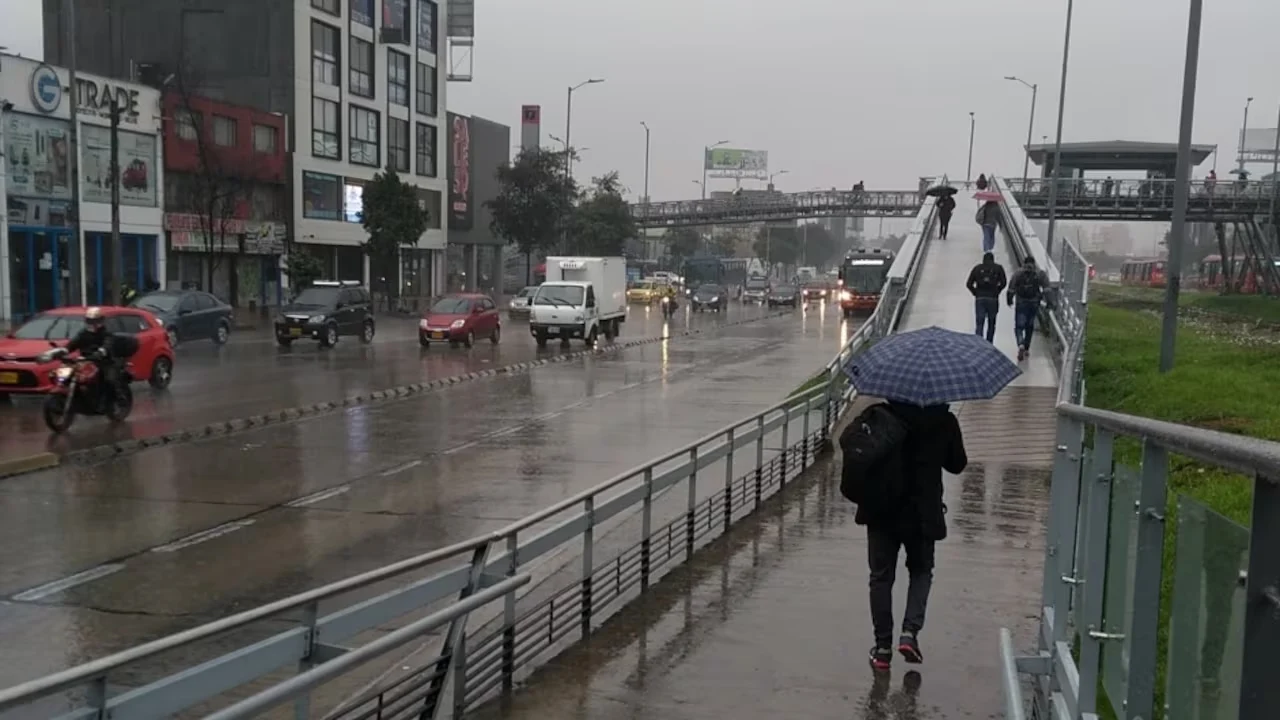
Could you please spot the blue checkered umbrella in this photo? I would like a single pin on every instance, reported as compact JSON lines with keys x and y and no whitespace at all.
{"x":930,"y":367}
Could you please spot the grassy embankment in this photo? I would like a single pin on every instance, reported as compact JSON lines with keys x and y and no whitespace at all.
{"x":1227,"y":378}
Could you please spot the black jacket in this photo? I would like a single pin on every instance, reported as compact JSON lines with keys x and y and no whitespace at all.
{"x":987,"y":280}
{"x":946,"y":205}
{"x":1028,"y":286}
{"x":87,"y":342}
{"x":934,"y":443}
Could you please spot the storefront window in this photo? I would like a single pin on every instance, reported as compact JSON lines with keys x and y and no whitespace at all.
{"x":321,"y":196}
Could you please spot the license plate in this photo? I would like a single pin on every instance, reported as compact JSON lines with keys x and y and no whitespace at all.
{"x":295,"y":332}
{"x":437,"y":336}
{"x":8,"y":378}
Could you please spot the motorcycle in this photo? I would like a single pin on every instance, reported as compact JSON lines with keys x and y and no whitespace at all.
{"x":76,"y":392}
{"x":668,"y":307}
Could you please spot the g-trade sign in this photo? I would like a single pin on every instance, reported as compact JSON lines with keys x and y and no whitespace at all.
{"x":46,"y":89}
{"x":96,"y":96}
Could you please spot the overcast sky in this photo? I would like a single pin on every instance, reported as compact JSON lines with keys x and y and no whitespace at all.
{"x":845,"y":90}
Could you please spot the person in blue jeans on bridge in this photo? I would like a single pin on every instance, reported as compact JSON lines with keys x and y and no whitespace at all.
{"x":988,"y":217}
{"x":986,"y":281}
{"x":1027,"y":290}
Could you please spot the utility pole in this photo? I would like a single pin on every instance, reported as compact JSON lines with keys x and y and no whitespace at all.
{"x":1244,"y":129}
{"x":1057,"y":144}
{"x":646,"y":171}
{"x":117,"y":255}
{"x":973,"y":124}
{"x":1181,"y":191}
{"x":73,"y":135}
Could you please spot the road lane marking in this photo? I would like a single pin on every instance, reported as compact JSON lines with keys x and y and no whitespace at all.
{"x":460,"y":448}
{"x":66,"y":583}
{"x":399,"y":468}
{"x":316,"y":497}
{"x":204,"y":536}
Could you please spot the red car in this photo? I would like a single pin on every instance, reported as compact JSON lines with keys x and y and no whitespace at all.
{"x":22,"y":372}
{"x":460,"y":318}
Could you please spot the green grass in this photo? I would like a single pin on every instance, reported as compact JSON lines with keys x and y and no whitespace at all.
{"x":1216,"y":384}
{"x":1261,"y":308}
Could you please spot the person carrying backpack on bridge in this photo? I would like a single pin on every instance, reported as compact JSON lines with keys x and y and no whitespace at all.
{"x":988,"y":217}
{"x":986,"y":281}
{"x":1028,"y":290}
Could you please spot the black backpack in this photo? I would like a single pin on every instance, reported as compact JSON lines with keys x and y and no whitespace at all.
{"x":988,"y":278}
{"x":874,"y":473}
{"x":1028,"y":286}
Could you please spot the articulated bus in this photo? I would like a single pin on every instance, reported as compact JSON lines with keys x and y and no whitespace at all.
{"x":862,"y":276}
{"x":1145,"y":273}
{"x":1244,"y":270}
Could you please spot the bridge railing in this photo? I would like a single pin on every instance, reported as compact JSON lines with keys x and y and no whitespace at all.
{"x":777,"y":203}
{"x":582,"y":559}
{"x":1135,"y":196}
{"x":1101,"y":605}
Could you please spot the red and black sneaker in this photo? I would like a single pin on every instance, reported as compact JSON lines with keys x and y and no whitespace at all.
{"x":909,"y":649}
{"x":881,"y":658}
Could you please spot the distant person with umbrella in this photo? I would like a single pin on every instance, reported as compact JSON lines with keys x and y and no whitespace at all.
{"x":894,"y":454}
{"x":1028,"y":290}
{"x":945,"y":204}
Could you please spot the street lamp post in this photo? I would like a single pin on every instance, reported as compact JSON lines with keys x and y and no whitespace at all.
{"x":1026,"y":161}
{"x":705,"y":152}
{"x":775,"y":174}
{"x":646,"y":171}
{"x":1243,"y":129}
{"x":973,"y":124}
{"x":568,"y":124}
{"x":1057,"y":144}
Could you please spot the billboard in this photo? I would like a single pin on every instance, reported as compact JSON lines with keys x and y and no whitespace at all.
{"x":38,"y":156}
{"x":137,"y":171}
{"x":1260,"y":144}
{"x":530,"y":127}
{"x":733,"y":163}
{"x":459,"y":172}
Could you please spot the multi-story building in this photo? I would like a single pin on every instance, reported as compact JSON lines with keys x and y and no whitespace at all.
{"x":45,"y":264}
{"x":362,"y":82}
{"x":477,"y":148}
{"x":226,"y":185}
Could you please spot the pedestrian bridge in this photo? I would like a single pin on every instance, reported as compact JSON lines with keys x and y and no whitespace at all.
{"x":727,"y":578}
{"x":776,"y":206}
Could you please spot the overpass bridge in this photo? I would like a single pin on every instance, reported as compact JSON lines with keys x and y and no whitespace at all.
{"x":726,"y":578}
{"x":1120,"y":200}
{"x":767,"y":207}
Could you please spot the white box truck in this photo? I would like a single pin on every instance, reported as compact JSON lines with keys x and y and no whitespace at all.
{"x":582,"y":297}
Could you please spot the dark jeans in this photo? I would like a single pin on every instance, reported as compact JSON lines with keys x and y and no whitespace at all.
{"x":1024,"y":322}
{"x":985,"y":310}
{"x":882,"y":558}
{"x":944,"y":223}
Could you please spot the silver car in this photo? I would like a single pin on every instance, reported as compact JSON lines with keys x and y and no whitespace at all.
{"x":519,"y":305}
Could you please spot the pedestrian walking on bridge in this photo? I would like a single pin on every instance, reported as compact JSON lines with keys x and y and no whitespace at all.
{"x":988,"y":217}
{"x":986,"y":281}
{"x":1027,"y":290}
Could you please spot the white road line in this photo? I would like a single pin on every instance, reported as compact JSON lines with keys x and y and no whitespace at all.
{"x":506,"y":431}
{"x":399,"y":468}
{"x":318,"y":496}
{"x":66,"y":583}
{"x":203,"y":536}
{"x":460,"y":448}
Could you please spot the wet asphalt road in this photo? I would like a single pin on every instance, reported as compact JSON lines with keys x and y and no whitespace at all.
{"x":176,"y":536}
{"x":251,"y":375}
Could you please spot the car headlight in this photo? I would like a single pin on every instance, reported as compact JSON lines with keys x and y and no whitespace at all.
{"x":315,"y":319}
{"x":715,"y":299}
{"x":423,"y":324}
{"x":160,"y":320}
{"x":845,"y":295}
{"x":61,"y":373}
{"x":457,"y":324}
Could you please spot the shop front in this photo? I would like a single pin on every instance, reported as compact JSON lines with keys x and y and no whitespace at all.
{"x":240,"y":264}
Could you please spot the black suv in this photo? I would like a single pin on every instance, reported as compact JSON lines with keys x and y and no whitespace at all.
{"x":325,"y":312}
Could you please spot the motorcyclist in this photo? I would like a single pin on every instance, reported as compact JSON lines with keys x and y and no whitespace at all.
{"x":93,"y":342}
{"x":670,"y":295}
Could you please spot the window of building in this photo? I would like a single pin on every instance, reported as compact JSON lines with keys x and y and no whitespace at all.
{"x":427,"y":25}
{"x":426,"y":150}
{"x":325,"y":129}
{"x":325,"y":41}
{"x":398,"y":144}
{"x":224,"y":131}
{"x":321,"y":196}
{"x":362,"y":68}
{"x":264,"y":138}
{"x":362,"y":12}
{"x":188,"y":124}
{"x":329,"y":6}
{"x":398,"y":78}
{"x":364,"y":137}
{"x":426,"y":89}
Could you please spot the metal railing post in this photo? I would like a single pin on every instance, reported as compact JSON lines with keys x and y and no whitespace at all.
{"x":1148,"y":567}
{"x":588,"y":562}
{"x":509,"y":617}
{"x":646,"y":530}
{"x":1093,"y":567}
{"x":447,"y":660}
{"x":459,"y":677}
{"x":804,"y":443}
{"x":1059,"y":568}
{"x":786,"y":425}
{"x":691,"y":510}
{"x":302,"y":705}
{"x":1259,"y":691}
{"x":759,"y":458}
{"x":728,"y":481}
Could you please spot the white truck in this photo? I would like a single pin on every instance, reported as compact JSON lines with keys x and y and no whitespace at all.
{"x":582,"y":297}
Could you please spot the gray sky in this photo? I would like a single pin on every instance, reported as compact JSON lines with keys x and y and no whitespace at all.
{"x":844,"y":90}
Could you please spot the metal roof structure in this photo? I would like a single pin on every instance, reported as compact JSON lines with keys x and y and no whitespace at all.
{"x":1117,"y":155}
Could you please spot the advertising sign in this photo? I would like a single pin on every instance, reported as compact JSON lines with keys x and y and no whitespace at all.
{"x":137,"y":158}
{"x":96,"y":97}
{"x":733,"y":163}
{"x":1260,"y":144}
{"x":46,"y":89}
{"x":530,"y":126}
{"x":459,"y":172}
{"x":187,"y":233}
{"x":37,"y":156}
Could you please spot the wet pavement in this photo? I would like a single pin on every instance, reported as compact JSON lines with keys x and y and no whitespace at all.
{"x":100,"y":558}
{"x":250,"y":375}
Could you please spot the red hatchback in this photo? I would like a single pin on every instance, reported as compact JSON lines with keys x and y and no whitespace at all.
{"x":22,"y":372}
{"x":460,"y":318}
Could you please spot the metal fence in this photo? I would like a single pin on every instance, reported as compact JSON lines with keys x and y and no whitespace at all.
{"x":581,"y":560}
{"x":1143,"y":199}
{"x":1104,"y":565}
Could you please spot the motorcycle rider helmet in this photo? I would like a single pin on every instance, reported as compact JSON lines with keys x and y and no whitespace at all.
{"x":93,"y":319}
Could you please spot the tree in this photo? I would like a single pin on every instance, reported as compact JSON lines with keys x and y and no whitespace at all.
{"x":682,"y":243}
{"x":602,"y":222}
{"x":395,"y":219}
{"x":534,"y":202}
{"x":817,"y":246}
{"x":778,"y":245}
{"x":303,"y":268}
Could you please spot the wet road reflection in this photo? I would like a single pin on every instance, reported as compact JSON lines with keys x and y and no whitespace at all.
{"x":251,"y":375}
{"x":100,"y":558}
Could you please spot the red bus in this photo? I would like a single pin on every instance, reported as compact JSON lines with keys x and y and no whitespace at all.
{"x":1145,"y":273}
{"x":862,"y":276}
{"x":1244,"y":271}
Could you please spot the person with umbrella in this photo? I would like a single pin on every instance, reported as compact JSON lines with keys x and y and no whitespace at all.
{"x":988,"y":217}
{"x":945,"y":204}
{"x":894,"y":454}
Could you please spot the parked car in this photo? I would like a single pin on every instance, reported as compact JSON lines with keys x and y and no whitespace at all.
{"x":519,"y":305}
{"x":325,"y":312}
{"x":21,"y":371}
{"x":788,"y":295}
{"x":188,"y":315}
{"x":709,"y":297}
{"x":460,"y":318}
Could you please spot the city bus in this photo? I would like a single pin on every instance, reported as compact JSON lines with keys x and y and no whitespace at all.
{"x":862,"y":277}
{"x":1144,"y":273}
{"x":1245,"y":274}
